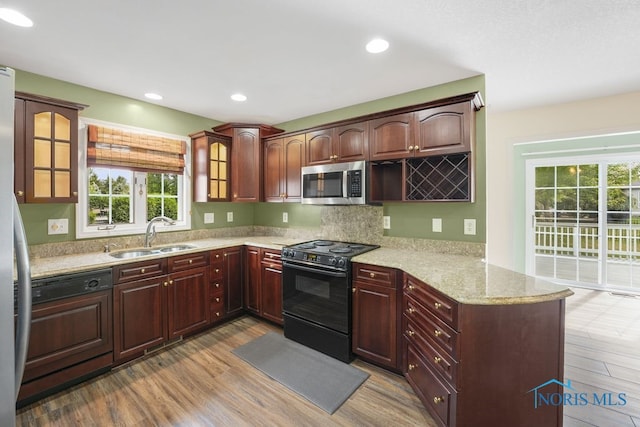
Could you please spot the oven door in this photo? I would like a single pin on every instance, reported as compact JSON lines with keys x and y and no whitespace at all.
{"x":318,"y":295}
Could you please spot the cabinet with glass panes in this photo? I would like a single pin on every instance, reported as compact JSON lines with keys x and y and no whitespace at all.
{"x":211,"y":161}
{"x":45,"y":149}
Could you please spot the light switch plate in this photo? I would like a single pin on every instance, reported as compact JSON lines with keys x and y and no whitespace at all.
{"x":209,"y":218}
{"x":285,"y":217}
{"x":470,"y":226}
{"x":58,"y":226}
{"x":436,"y":225}
{"x":386,"y":222}
{"x":229,"y":216}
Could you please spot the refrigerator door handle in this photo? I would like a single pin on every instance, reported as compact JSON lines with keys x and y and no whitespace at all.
{"x":23,"y":326}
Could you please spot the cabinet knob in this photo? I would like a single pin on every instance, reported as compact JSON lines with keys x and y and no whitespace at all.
{"x":217,"y":314}
{"x":436,"y":359}
{"x":20,"y":193}
{"x":410,"y":287}
{"x":412,"y":366}
{"x":217,"y":270}
{"x":411,"y":148}
{"x":190,"y":261}
{"x":437,"y":333}
{"x":410,"y":332}
{"x":437,"y":305}
{"x":165,"y":284}
{"x":75,"y":194}
{"x":217,"y":255}
{"x":142,"y":270}
{"x":353,"y":290}
{"x":372,"y":275}
{"x":217,"y":285}
{"x":437,"y":400}
{"x":411,"y":310}
{"x":217,"y":299}
{"x":171,"y":282}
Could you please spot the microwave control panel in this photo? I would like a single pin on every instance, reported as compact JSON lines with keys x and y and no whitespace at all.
{"x":354,"y":183}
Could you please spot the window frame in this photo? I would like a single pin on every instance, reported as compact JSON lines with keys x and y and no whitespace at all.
{"x":86,"y":231}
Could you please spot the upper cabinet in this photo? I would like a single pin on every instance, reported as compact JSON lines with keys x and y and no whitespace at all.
{"x":283,"y":162}
{"x":392,"y":137}
{"x":444,"y":130}
{"x":320,"y":147}
{"x":46,"y":149}
{"x":346,"y":143}
{"x":211,"y":166}
{"x":246,"y":159}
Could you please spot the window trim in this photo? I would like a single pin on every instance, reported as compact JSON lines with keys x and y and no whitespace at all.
{"x":84,"y":231}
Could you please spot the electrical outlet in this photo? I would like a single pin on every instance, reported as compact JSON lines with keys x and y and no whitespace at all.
{"x":436,"y":225}
{"x":285,"y":217}
{"x":470,"y":226}
{"x":229,"y":216}
{"x":58,"y":226}
{"x":209,"y":218}
{"x":386,"y":222}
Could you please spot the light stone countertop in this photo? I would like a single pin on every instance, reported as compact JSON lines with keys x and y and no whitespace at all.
{"x":467,"y":280}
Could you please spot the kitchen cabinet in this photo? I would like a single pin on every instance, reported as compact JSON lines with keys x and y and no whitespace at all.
{"x":321,"y":147}
{"x":70,"y":339}
{"x":246,"y":159}
{"x":346,"y":143}
{"x":226,"y":272}
{"x":45,"y":149}
{"x":376,"y":329}
{"x":211,"y":154}
{"x":474,"y":364}
{"x":158,"y":300}
{"x":445,"y":129}
{"x":392,"y":137}
{"x":283,"y":160}
{"x":263,"y":283}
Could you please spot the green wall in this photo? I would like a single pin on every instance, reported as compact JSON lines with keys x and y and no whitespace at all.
{"x":407,"y":220}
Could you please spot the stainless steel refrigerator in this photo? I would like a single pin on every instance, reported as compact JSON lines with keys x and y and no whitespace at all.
{"x":14,"y":334}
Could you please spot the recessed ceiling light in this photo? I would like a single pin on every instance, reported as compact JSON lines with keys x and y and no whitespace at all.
{"x":14,"y":17}
{"x":377,"y":46}
{"x":238,"y":97}
{"x":153,"y":96}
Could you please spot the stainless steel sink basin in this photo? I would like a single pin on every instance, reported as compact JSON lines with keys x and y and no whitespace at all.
{"x":134,"y":253}
{"x":176,"y":248}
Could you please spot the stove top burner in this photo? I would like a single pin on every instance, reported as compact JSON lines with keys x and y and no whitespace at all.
{"x":341,"y":250}
{"x":305,"y":246}
{"x":323,"y":243}
{"x":335,"y":255}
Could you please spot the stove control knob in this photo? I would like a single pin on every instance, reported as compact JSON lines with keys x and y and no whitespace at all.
{"x":332,"y":261}
{"x":341,"y":262}
{"x":287,"y":252}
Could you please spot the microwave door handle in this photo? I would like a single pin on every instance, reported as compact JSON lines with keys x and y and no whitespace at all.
{"x":345,"y":183}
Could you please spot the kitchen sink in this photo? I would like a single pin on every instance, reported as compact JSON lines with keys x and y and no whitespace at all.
{"x":134,"y":253}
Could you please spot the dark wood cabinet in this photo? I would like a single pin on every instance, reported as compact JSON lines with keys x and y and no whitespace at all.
{"x":445,"y":130}
{"x":187,"y":301}
{"x":217,"y":277}
{"x":465,"y":361}
{"x":346,"y":143}
{"x":45,"y":149}
{"x":246,"y":159}
{"x":271,"y":286}
{"x":375,"y":315}
{"x":392,"y":137}
{"x":252,"y":279}
{"x":233,"y":281}
{"x":70,"y":339}
{"x":321,"y":147}
{"x":211,"y":157}
{"x":283,"y":160}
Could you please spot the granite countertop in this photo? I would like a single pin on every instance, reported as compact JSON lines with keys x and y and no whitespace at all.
{"x":467,"y":280}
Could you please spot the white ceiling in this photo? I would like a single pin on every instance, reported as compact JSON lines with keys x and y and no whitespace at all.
{"x":294,"y":58}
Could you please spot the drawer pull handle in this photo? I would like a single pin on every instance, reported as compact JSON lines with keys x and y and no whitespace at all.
{"x":410,"y":287}
{"x":217,"y":314}
{"x":412,"y":366}
{"x":410,"y":332}
{"x":437,"y":305}
{"x":190,"y":261}
{"x":217,"y":255}
{"x":171,"y":282}
{"x":165,"y":284}
{"x":437,"y":333}
{"x":438,"y":399}
{"x":217,"y":270}
{"x":411,"y":310}
{"x":436,"y":359}
{"x":217,"y":299}
{"x":372,"y":275}
{"x":142,"y":271}
{"x":217,"y":285}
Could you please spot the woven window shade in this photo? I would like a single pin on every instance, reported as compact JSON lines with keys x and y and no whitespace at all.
{"x":136,"y":151}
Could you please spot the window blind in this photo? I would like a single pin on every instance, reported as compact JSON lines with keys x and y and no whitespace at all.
{"x":136,"y":151}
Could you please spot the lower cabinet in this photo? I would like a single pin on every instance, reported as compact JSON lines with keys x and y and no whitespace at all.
{"x":263,"y":283}
{"x":151,"y":310}
{"x":477,"y":364}
{"x":375,"y":315}
{"x":70,"y":339}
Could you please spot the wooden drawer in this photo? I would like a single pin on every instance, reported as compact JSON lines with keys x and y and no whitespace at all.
{"x":216,"y":272}
{"x":439,"y":400}
{"x":271,"y":256}
{"x":382,"y":276}
{"x":185,"y":262}
{"x":216,"y":308}
{"x":434,"y":356}
{"x":435,"y":328}
{"x":139,"y":270}
{"x":216,"y":286}
{"x":439,"y":304}
{"x":217,"y":256}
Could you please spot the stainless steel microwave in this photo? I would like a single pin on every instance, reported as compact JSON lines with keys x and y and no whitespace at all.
{"x":334,"y":184}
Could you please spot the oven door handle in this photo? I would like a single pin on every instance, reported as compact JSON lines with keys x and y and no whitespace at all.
{"x":314,"y":270}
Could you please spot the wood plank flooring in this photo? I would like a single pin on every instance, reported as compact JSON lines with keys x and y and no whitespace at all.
{"x":199,"y":382}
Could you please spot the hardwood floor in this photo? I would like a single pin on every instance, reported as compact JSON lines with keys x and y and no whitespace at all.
{"x":199,"y":382}
{"x":602,"y":355}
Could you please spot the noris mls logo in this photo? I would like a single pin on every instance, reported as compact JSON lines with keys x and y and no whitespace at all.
{"x":571,"y":397}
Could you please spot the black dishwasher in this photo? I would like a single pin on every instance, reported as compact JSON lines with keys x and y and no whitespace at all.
{"x":71,"y":332}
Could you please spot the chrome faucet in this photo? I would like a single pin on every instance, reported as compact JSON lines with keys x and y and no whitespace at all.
{"x":151,"y":229}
